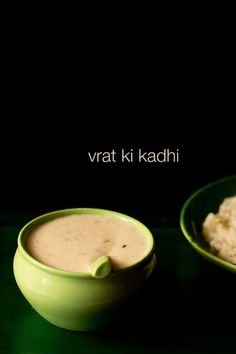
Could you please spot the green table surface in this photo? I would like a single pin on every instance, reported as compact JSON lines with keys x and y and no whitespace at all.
{"x":187,"y":307}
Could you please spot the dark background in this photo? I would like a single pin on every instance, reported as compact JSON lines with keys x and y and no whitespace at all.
{"x":77,"y":81}
{"x":112,"y":77}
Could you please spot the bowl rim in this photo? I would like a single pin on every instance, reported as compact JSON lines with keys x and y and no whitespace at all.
{"x":25,"y":230}
{"x":207,"y":254}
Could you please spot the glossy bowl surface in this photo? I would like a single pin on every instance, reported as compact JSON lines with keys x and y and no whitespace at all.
{"x":73,"y":300}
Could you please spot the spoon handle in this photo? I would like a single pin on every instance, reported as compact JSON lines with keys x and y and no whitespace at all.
{"x":101,"y":267}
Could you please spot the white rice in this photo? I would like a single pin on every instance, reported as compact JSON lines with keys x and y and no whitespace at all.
{"x":219,"y":230}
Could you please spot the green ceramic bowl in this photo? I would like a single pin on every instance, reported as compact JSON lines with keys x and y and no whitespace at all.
{"x":195,"y":210}
{"x":73,"y":300}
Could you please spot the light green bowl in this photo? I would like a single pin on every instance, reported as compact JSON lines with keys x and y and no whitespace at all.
{"x":195,"y":210}
{"x":73,"y":300}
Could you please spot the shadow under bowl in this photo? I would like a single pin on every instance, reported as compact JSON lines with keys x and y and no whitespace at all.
{"x":195,"y":210}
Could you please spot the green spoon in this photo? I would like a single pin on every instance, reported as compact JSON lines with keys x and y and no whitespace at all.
{"x":101,"y":267}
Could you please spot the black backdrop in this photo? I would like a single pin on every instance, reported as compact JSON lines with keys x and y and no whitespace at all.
{"x":68,"y":92}
{"x":46,"y":166}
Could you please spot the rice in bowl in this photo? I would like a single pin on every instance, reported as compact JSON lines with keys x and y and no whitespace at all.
{"x":219,"y":230}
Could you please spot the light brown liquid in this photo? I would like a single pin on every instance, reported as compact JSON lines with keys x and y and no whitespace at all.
{"x":74,"y":242}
